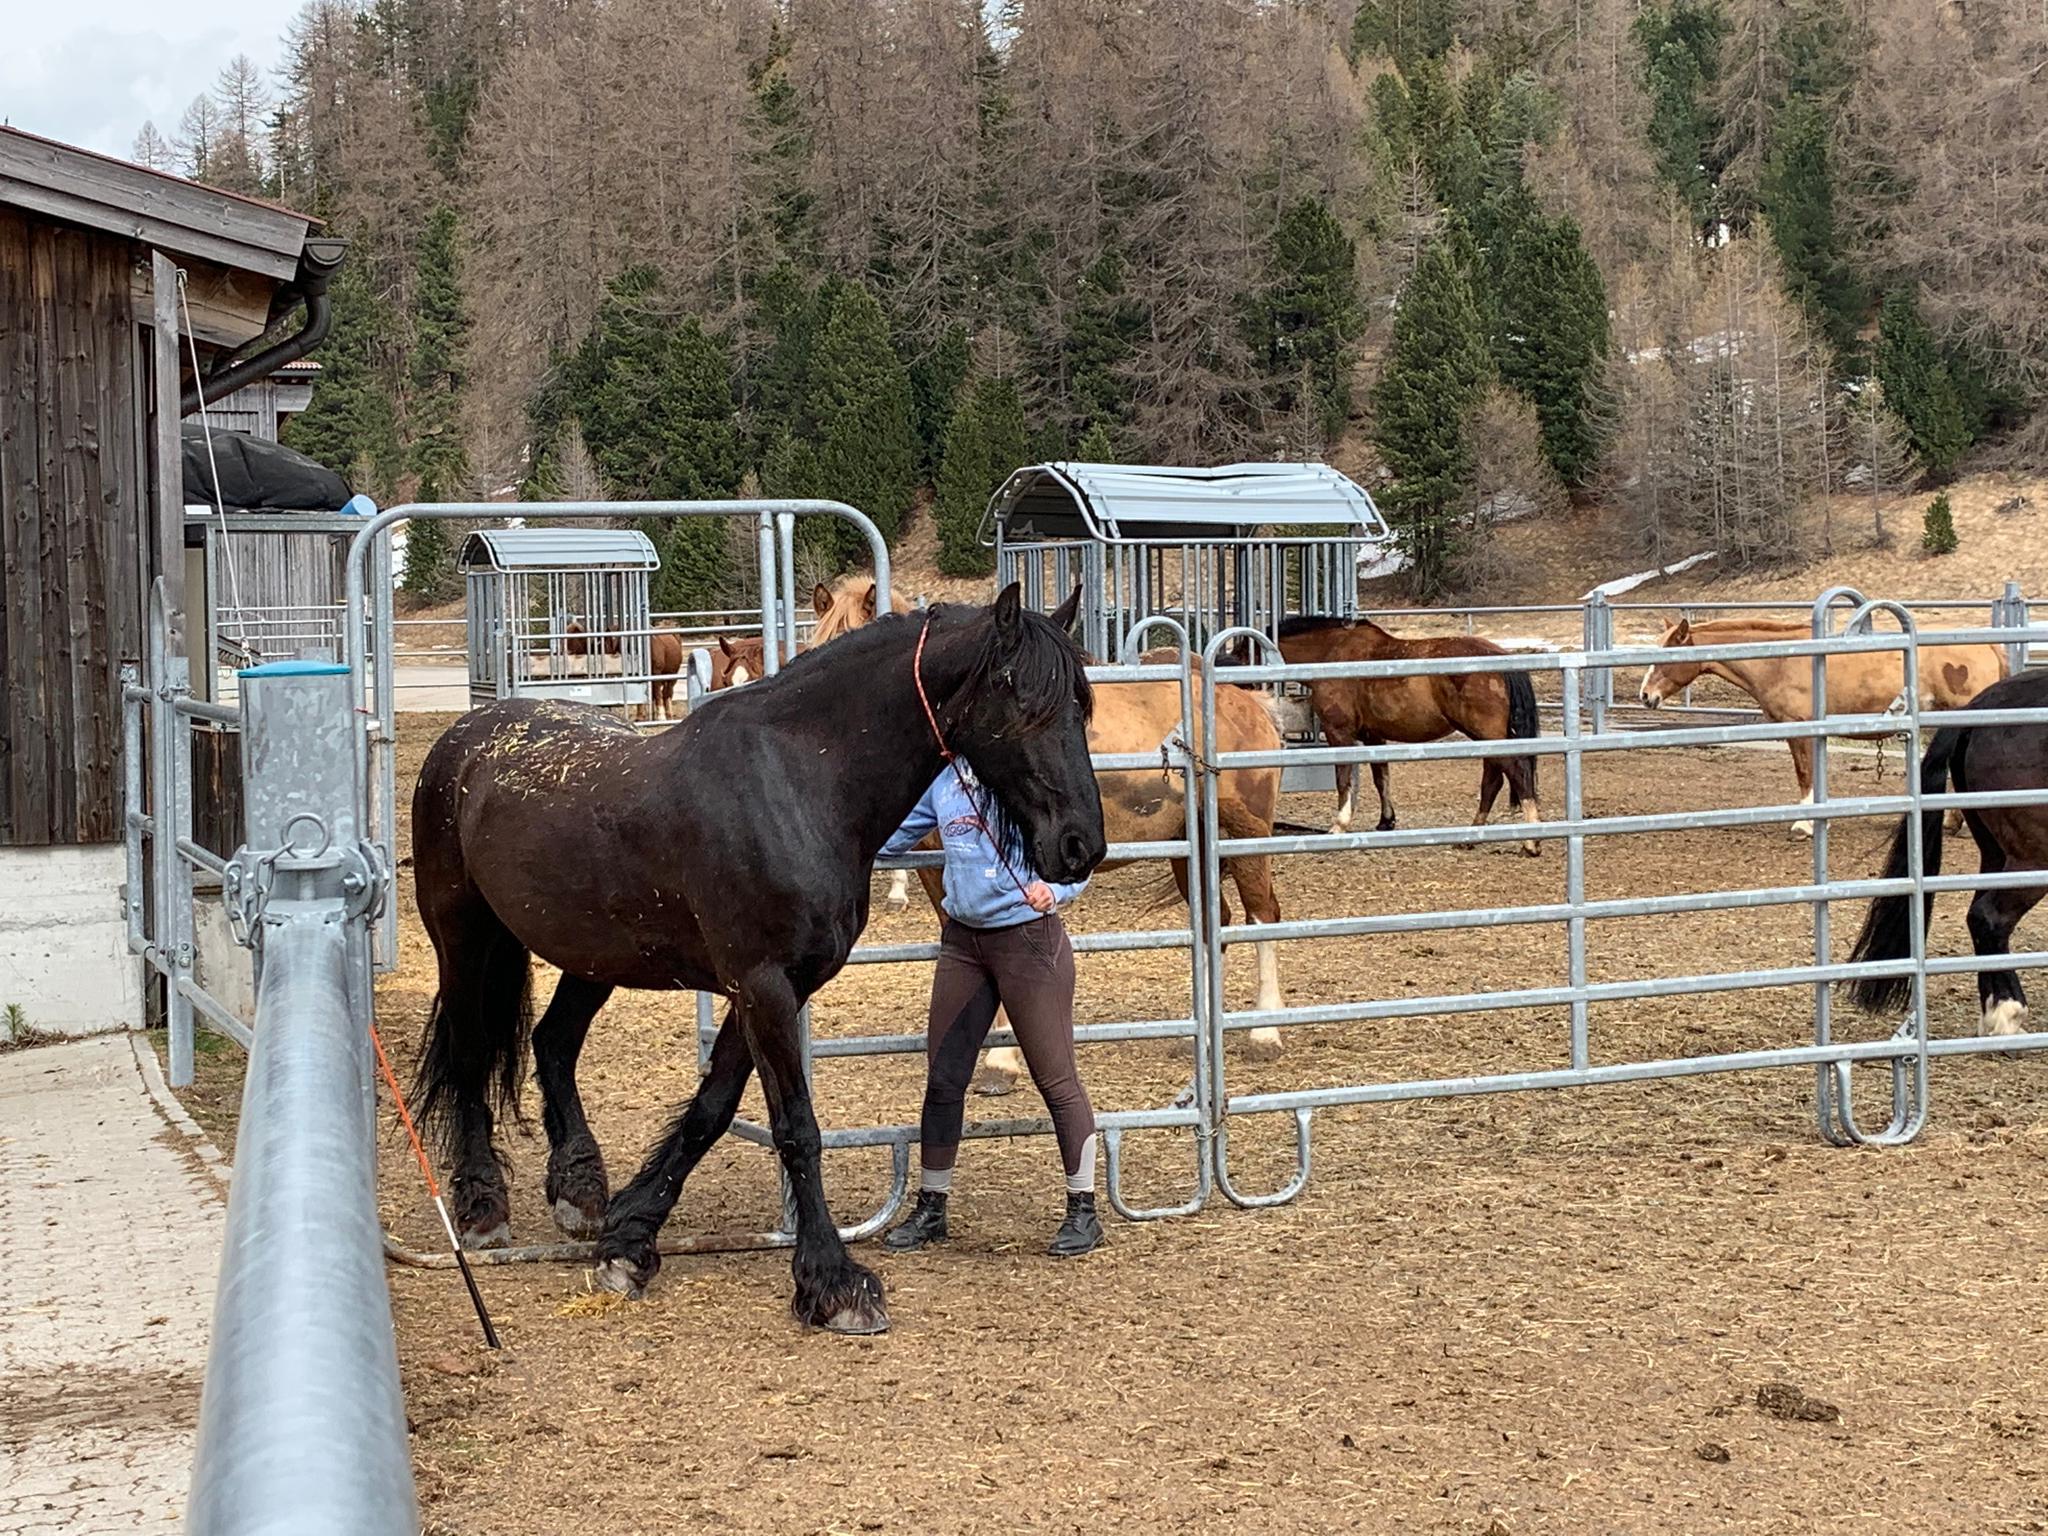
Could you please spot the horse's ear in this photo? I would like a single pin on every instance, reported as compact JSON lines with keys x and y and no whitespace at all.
{"x":1063,"y":616}
{"x":725,"y":644}
{"x":1009,"y":604}
{"x":821,"y":600}
{"x":1681,"y":633}
{"x":867,"y":605}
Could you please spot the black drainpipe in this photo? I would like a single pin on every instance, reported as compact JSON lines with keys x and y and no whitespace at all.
{"x":318,"y":263}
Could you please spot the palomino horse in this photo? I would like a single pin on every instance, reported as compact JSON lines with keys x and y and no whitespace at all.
{"x":1867,"y":683}
{"x":1357,"y":711}
{"x":731,"y":854}
{"x":1979,"y":758}
{"x":664,"y":662}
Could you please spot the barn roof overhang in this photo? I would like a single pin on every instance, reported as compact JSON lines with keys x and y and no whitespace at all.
{"x":242,"y":256}
{"x":1122,"y":503}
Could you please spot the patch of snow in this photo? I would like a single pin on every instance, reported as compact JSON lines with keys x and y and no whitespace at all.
{"x":1623,"y":584}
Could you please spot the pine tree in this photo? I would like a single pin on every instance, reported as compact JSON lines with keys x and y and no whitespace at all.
{"x":351,"y":424}
{"x":429,"y":575}
{"x":1878,"y":451}
{"x":778,"y":385}
{"x":1681,"y":46}
{"x":984,"y":442}
{"x":436,"y":455}
{"x":860,"y":396}
{"x":936,"y":379}
{"x":1102,"y":333}
{"x":1938,"y":527}
{"x":1435,"y":374}
{"x":1097,"y":446}
{"x":1797,"y":195}
{"x":1551,"y":338}
{"x":1302,"y":326}
{"x":153,"y":150}
{"x":1918,"y":385}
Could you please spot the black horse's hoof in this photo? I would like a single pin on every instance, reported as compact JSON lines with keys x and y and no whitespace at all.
{"x":577,"y":1191}
{"x":483,"y":1212}
{"x":850,"y":1303}
{"x":625,"y":1277}
{"x":1384,"y":824}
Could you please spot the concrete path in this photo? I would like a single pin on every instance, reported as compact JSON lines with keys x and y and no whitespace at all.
{"x":111,"y":1214}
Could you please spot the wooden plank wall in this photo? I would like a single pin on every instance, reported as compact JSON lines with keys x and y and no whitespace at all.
{"x":73,"y":509}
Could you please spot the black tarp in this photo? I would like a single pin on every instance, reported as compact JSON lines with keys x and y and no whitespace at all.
{"x":257,"y":475}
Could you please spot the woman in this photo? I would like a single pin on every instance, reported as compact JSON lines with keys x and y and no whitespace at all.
{"x":1003,"y":945}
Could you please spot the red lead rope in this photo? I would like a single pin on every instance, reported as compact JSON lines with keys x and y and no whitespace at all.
{"x":946,"y":752}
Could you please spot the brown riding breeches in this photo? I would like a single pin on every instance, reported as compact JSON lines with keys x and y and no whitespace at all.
{"x":1029,"y":970}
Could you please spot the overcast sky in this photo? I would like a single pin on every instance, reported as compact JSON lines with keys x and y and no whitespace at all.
{"x":90,"y":72}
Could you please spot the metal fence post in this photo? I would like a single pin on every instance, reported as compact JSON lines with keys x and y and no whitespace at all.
{"x":1599,"y":636}
{"x":302,"y":1425}
{"x":2014,"y":616}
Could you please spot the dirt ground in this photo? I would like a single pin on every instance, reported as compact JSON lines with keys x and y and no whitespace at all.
{"x":1495,"y":1315}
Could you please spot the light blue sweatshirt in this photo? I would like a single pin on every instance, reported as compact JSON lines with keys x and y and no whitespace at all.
{"x":979,"y":891}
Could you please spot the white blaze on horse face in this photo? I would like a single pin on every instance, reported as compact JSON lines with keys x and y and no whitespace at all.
{"x":740,"y":676}
{"x":2008,"y":1017}
{"x":1652,"y":691}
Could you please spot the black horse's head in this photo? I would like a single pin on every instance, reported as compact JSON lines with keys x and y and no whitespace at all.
{"x":1021,"y":720}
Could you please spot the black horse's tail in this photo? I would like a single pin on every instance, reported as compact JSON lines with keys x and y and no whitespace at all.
{"x":477,"y":1029}
{"x":1522,"y":723}
{"x":1888,"y":926}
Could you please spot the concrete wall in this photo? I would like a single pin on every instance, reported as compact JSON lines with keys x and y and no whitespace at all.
{"x":64,"y":957}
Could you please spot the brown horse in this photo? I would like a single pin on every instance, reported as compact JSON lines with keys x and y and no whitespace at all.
{"x":664,"y":663}
{"x":1486,"y":706}
{"x":1867,"y":683}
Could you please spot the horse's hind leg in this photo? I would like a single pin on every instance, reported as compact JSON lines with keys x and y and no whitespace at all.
{"x":476,"y":1043}
{"x":577,"y":1191}
{"x":627,"y":1257}
{"x":832,"y":1291}
{"x":1520,"y":772}
{"x":1993,"y":916}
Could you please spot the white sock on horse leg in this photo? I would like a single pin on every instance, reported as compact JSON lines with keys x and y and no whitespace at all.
{"x":1082,"y":1180}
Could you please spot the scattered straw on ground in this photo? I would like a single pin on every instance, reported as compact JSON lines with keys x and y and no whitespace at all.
{"x":1499,"y":1314}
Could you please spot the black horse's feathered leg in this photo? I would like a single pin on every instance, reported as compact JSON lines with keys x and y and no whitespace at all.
{"x":626,"y":1254}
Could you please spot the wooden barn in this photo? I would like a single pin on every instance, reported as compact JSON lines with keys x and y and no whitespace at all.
{"x":126,"y":296}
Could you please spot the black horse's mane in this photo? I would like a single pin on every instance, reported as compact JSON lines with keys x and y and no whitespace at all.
{"x":1041,"y":673}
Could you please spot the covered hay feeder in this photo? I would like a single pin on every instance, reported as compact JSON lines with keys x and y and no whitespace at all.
{"x":550,"y":609}
{"x":1241,"y":544}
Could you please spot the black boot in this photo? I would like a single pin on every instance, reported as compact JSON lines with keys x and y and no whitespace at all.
{"x":925,"y":1224}
{"x":1081,"y":1232}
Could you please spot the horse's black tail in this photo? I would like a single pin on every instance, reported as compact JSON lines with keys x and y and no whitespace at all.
{"x":1522,"y":723}
{"x":477,"y":1029}
{"x":1888,"y":926}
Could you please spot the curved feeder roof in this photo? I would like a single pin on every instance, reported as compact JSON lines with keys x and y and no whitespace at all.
{"x":1121,"y":502}
{"x":558,"y":549}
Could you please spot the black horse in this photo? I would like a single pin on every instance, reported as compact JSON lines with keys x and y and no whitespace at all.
{"x":731,"y":854}
{"x":1983,"y":758}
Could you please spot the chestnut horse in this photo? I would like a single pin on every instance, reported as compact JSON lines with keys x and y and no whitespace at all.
{"x":1357,"y":711}
{"x":732,"y":854}
{"x":664,"y":662}
{"x":1866,"y":683}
